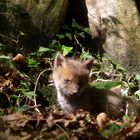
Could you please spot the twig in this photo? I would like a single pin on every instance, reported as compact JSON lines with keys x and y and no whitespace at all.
{"x":66,"y":134}
{"x":35,"y":103}
{"x":75,"y":37}
{"x":127,"y":107}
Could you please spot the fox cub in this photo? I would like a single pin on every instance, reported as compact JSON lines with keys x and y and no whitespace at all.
{"x":71,"y":79}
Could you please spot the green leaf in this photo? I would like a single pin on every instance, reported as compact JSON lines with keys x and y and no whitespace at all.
{"x":137,"y":77}
{"x":15,"y":96}
{"x":66,"y":27}
{"x":126,"y":117}
{"x":66,"y":50}
{"x":21,"y":108}
{"x":54,"y":42}
{"x":120,"y":68}
{"x":33,"y":53}
{"x":25,"y":84}
{"x":85,"y":55}
{"x":29,"y":94}
{"x":60,"y":36}
{"x":114,"y":128}
{"x":43,"y":49}
{"x":87,"y":30}
{"x":106,"y":133}
{"x":76,"y":25}
{"x":82,"y":34}
{"x":107,"y":84}
{"x":5,"y":57}
{"x":69,"y":36}
{"x":32,"y":63}
{"x":21,"y":33}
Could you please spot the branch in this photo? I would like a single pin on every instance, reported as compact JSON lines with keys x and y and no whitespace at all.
{"x":35,"y":88}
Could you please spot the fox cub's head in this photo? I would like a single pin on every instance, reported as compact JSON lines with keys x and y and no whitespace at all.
{"x":71,"y":77}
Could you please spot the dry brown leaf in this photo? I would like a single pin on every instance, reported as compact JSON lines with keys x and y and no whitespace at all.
{"x":14,"y":117}
{"x":19,"y":58}
{"x":102,"y":120}
{"x":4,"y":82}
{"x":135,"y":132}
{"x":136,"y":129}
{"x":137,"y":119}
{"x":50,"y":121}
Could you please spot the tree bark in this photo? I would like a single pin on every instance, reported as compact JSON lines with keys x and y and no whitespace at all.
{"x":117,"y":25}
{"x":37,"y":20}
{"x":46,"y":15}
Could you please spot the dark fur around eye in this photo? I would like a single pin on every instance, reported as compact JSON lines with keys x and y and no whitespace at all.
{"x":81,"y":82}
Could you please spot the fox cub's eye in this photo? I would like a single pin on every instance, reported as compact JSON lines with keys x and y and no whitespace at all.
{"x":66,"y":81}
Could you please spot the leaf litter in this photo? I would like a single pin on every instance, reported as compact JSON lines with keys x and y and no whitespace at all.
{"x":54,"y":124}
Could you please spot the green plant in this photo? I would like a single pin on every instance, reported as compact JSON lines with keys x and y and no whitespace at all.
{"x":137,"y":77}
{"x":112,"y":130}
{"x":66,"y":50}
{"x":32,"y":63}
{"x":73,"y":36}
{"x":23,"y":94}
{"x":85,"y":54}
{"x":106,"y":85}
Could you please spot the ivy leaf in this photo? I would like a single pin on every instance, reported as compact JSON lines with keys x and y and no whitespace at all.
{"x":54,"y":42}
{"x":87,"y":30}
{"x":75,"y":24}
{"x":32,"y":63}
{"x":26,"y":84}
{"x":85,"y":55}
{"x":82,"y":34}
{"x":43,"y":49}
{"x":66,"y":50}
{"x":107,"y":84}
{"x":60,"y":36}
{"x":69,"y":36}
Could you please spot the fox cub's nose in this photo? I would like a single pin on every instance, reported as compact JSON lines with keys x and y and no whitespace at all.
{"x":75,"y":89}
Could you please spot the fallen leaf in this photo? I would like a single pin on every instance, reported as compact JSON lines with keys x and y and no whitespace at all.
{"x":102,"y":120}
{"x":14,"y":117}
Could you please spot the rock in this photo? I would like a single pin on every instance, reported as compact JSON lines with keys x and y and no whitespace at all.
{"x":117,"y":25}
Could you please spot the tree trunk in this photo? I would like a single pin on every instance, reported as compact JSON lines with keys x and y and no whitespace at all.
{"x":46,"y":15}
{"x":38,"y":20}
{"x":117,"y":25}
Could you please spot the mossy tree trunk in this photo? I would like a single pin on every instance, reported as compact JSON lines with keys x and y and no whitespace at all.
{"x":39,"y":20}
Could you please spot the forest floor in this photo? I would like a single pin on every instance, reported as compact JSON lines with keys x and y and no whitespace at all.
{"x":58,"y":126}
{"x":46,"y":124}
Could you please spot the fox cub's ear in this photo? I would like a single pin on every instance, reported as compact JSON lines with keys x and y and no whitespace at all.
{"x":59,"y":60}
{"x":88,"y":63}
